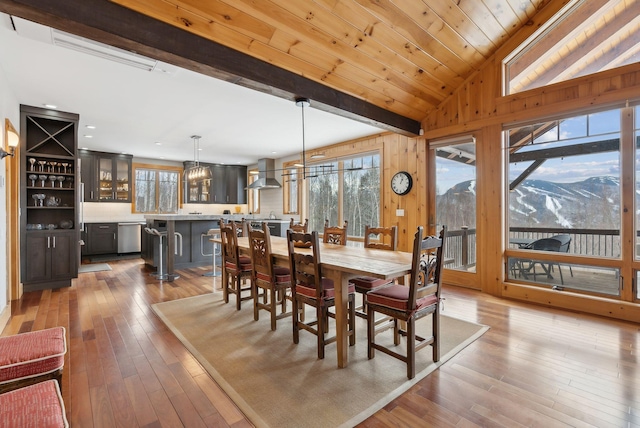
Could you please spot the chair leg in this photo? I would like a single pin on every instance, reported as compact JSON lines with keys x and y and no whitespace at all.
{"x":371,"y":333}
{"x":396,"y":332}
{"x":411,"y":348}
{"x":321,"y":317}
{"x":352,"y":319}
{"x":238,"y":283}
{"x":273,"y":306}
{"x":256,"y":302}
{"x":435,"y":322}
{"x":225,"y":288}
{"x":295,"y":315}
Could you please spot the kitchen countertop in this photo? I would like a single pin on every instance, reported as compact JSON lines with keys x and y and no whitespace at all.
{"x":183,"y":217}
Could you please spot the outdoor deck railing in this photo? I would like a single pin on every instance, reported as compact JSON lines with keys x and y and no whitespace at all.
{"x":461,"y":243}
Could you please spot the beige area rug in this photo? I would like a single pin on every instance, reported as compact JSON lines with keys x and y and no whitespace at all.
{"x":279,"y":384}
{"x":94,"y":267}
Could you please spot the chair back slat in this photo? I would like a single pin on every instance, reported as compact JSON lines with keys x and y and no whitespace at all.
{"x":260,"y":246}
{"x":387,"y":237}
{"x":335,"y":234}
{"x":229,"y":238}
{"x":426,"y":266}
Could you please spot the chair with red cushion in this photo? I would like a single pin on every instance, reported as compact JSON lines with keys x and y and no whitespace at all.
{"x":309,"y":287}
{"x":335,"y":234}
{"x":386,"y":239}
{"x":409,"y":303}
{"x":237,"y":268}
{"x":37,"y":405}
{"x":273,"y":280}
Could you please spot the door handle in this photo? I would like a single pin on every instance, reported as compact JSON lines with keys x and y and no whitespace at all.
{"x":54,"y":242}
{"x":48,"y":242}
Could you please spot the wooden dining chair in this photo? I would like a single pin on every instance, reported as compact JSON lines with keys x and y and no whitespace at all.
{"x":384,"y":238}
{"x":409,"y":303}
{"x":335,"y":234}
{"x":237,"y":268}
{"x":299,"y":227}
{"x":270,"y":282}
{"x":309,"y":287}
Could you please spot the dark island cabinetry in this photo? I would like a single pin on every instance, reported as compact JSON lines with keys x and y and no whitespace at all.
{"x":49,"y":198}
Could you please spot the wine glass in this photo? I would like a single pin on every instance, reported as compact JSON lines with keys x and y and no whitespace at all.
{"x":32,"y":161}
{"x":70,"y":181}
{"x":41,"y":197}
{"x":42,"y":163}
{"x":42,"y":178}
{"x":60,"y":179}
{"x":35,"y":199}
{"x":64,"y":167}
{"x":33,"y":179}
{"x":52,"y":166}
{"x":53,"y":179}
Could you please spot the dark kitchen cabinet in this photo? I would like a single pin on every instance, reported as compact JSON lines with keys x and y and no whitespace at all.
{"x":51,"y":257}
{"x":106,"y":176}
{"x":102,"y":238}
{"x":49,"y":196}
{"x":226,"y":186}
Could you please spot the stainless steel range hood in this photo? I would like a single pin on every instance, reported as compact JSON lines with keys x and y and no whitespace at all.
{"x":266,"y":175}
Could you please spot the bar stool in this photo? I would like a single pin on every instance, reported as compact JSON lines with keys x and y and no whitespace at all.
{"x":162,"y":276}
{"x":210,"y":235}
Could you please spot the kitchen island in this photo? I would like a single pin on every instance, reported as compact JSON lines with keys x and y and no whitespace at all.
{"x":192,"y":247}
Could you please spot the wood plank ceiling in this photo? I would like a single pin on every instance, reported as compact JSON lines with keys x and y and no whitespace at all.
{"x":385,"y":62}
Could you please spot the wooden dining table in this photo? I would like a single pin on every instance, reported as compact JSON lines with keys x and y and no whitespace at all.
{"x":341,"y":263}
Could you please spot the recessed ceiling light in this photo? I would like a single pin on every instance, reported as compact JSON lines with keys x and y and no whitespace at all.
{"x":273,"y":153}
{"x":85,"y":148}
{"x":88,"y":136}
{"x":199,"y":150}
{"x":158,"y":143}
{"x":90,"y":127}
{"x":51,"y":106}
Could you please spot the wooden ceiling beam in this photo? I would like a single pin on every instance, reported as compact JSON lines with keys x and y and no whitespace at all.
{"x":117,"y":26}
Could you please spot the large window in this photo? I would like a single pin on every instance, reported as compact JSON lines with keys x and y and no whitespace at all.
{"x":156,"y":189}
{"x":347,"y":189}
{"x":565,"y":196}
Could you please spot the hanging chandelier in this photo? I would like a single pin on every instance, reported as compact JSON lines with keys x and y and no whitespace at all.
{"x":197,"y":172}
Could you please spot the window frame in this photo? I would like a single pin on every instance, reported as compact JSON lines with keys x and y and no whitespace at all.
{"x":157,"y":168}
{"x":287,"y":207}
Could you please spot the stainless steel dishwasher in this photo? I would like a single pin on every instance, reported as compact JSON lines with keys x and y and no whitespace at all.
{"x":128,"y":238}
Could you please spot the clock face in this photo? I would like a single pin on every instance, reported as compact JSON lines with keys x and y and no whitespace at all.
{"x":401,"y":183}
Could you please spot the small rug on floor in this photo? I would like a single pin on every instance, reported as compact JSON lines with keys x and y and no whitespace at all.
{"x":95,"y":267}
{"x":113,"y":257}
{"x":277,"y":383}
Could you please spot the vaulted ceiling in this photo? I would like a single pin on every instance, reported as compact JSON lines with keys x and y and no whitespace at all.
{"x":382,"y":62}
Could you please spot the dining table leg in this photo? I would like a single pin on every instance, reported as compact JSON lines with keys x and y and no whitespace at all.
{"x":341,"y":288}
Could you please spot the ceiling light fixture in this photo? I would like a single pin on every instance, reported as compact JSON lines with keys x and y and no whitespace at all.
{"x":302,"y":103}
{"x":197,"y":172}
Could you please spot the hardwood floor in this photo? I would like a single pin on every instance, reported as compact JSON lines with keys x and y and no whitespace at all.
{"x":534,"y":367}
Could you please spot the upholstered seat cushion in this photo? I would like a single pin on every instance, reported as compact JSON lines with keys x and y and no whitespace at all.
{"x":367,"y":283}
{"x":328,"y":290}
{"x":35,"y":406}
{"x":282,"y":274}
{"x":32,"y":354}
{"x":396,"y":297}
{"x":244,"y":262}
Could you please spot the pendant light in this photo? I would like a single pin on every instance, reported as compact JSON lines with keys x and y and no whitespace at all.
{"x":197,"y":172}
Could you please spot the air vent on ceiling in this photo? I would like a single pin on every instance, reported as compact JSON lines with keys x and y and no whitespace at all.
{"x":101,"y":50}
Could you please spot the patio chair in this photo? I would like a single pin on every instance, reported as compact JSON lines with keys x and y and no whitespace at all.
{"x":528,"y":267}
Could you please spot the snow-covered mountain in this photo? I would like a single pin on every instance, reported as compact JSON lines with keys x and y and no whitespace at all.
{"x":593,"y":203}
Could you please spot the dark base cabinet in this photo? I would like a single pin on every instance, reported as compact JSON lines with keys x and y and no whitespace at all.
{"x":52,"y":259}
{"x":102,"y":238}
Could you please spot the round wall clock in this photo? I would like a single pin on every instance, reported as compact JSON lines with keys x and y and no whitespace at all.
{"x":401,"y":183}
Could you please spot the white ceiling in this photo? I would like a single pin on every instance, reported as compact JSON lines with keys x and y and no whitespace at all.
{"x":134,"y":109}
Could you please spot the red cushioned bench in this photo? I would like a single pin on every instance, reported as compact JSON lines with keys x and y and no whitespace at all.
{"x":35,"y":406}
{"x":32,"y":357}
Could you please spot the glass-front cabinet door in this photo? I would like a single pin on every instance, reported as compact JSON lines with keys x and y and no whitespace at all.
{"x":113,"y":179}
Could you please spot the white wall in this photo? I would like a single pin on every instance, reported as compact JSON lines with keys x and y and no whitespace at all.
{"x":10,"y":109}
